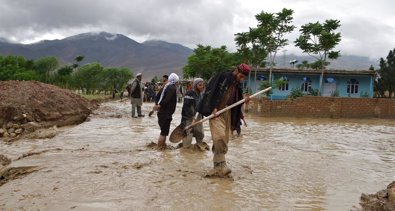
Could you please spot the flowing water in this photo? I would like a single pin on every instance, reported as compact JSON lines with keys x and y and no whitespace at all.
{"x":277,"y":163}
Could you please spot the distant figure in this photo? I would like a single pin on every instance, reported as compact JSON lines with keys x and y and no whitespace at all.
{"x":180,"y":94}
{"x":114,"y":91}
{"x":165,"y":78}
{"x":166,"y":106}
{"x":137,"y":96}
{"x":128,"y":87}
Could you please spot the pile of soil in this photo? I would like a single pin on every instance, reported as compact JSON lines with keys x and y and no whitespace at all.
{"x":26,"y":106}
{"x":383,"y":200}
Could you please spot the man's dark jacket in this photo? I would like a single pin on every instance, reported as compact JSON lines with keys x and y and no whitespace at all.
{"x":215,"y":92}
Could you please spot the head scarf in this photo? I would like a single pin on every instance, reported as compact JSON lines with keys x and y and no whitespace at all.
{"x":196,"y":82}
{"x":173,"y":78}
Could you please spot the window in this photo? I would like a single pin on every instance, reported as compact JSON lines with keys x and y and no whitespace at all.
{"x":352,"y":86}
{"x":306,"y":84}
{"x":261,"y":78}
{"x":284,"y":83}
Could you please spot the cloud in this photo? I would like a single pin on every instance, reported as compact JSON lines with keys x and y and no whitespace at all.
{"x":367,"y":27}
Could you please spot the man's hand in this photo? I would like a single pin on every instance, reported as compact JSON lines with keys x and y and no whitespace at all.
{"x":156,"y":107}
{"x":214,"y":113}
{"x":247,"y":98}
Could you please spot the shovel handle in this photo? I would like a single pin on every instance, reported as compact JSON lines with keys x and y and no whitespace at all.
{"x":227,"y":108}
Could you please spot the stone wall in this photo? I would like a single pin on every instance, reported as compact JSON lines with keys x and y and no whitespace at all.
{"x":325,"y":107}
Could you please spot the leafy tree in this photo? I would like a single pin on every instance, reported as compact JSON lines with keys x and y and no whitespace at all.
{"x":16,"y":68}
{"x":272,"y":29}
{"x":250,"y":49}
{"x":8,"y":67}
{"x":88,"y":77}
{"x":266,"y":39}
{"x":77,"y":60}
{"x":242,"y":42}
{"x":63,"y":76}
{"x":206,"y":61}
{"x":114,"y":77}
{"x":45,"y":66}
{"x":26,"y":75}
{"x":155,"y":79}
{"x":318,"y":40}
{"x":386,"y":80}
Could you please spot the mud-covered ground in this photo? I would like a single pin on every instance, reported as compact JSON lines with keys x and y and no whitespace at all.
{"x":109,"y":163}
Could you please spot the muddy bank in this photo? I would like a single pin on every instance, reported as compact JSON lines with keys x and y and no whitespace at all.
{"x":26,"y":106}
{"x":383,"y":200}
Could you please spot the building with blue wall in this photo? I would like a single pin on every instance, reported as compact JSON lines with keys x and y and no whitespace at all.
{"x":340,"y":83}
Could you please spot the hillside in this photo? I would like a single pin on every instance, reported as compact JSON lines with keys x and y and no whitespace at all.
{"x":151,"y":57}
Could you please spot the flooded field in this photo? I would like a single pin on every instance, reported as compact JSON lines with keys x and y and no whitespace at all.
{"x":277,"y":163}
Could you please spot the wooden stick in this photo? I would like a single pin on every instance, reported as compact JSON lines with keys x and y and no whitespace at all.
{"x":226,"y":108}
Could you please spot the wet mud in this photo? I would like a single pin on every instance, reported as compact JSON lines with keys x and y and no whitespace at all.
{"x":111,"y":162}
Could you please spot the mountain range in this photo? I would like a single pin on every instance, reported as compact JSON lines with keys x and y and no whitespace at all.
{"x":152,"y":57}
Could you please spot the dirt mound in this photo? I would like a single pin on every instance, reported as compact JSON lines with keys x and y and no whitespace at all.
{"x":28,"y":105}
{"x":383,"y":200}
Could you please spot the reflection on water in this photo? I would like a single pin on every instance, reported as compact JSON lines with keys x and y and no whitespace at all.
{"x":277,"y":163}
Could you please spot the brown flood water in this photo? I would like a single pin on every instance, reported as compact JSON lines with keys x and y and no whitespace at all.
{"x":277,"y":163}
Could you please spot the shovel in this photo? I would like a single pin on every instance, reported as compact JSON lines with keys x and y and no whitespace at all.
{"x":180,"y":132}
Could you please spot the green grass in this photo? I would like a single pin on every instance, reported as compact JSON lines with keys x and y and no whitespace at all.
{"x":95,"y":97}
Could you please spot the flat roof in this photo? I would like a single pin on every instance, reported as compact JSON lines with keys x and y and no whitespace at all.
{"x":311,"y":71}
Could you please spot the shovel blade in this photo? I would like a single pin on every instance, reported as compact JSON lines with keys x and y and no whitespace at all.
{"x":178,"y":134}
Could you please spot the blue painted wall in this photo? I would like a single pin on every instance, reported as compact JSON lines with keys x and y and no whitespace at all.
{"x":365,"y":86}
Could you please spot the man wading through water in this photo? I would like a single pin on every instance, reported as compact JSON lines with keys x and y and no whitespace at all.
{"x":166,"y":106}
{"x":191,"y":100}
{"x":137,"y":96}
{"x":222,"y":90}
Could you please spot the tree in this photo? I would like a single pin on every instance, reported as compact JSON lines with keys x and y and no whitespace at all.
{"x":63,"y":76}
{"x":114,"y":77}
{"x":386,"y":80}
{"x":77,"y":60}
{"x":264,"y":41}
{"x":318,"y":40}
{"x":206,"y":61}
{"x":155,"y":80}
{"x":9,"y":66}
{"x":45,"y":66}
{"x":242,"y":42}
{"x":272,"y":30}
{"x":88,"y":77}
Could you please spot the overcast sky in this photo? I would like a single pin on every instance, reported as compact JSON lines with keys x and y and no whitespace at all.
{"x":367,"y":26}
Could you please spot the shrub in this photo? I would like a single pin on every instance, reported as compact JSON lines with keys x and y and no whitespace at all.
{"x":295,"y":93}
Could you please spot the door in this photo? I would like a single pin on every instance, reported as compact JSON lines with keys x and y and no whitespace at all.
{"x":329,"y":89}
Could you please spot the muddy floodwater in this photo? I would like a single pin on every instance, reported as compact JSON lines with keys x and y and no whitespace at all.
{"x":277,"y":163}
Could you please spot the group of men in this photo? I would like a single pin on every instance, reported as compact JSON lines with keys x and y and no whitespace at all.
{"x":222,"y":90}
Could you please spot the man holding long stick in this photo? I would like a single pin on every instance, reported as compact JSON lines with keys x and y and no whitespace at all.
{"x":223,"y":90}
